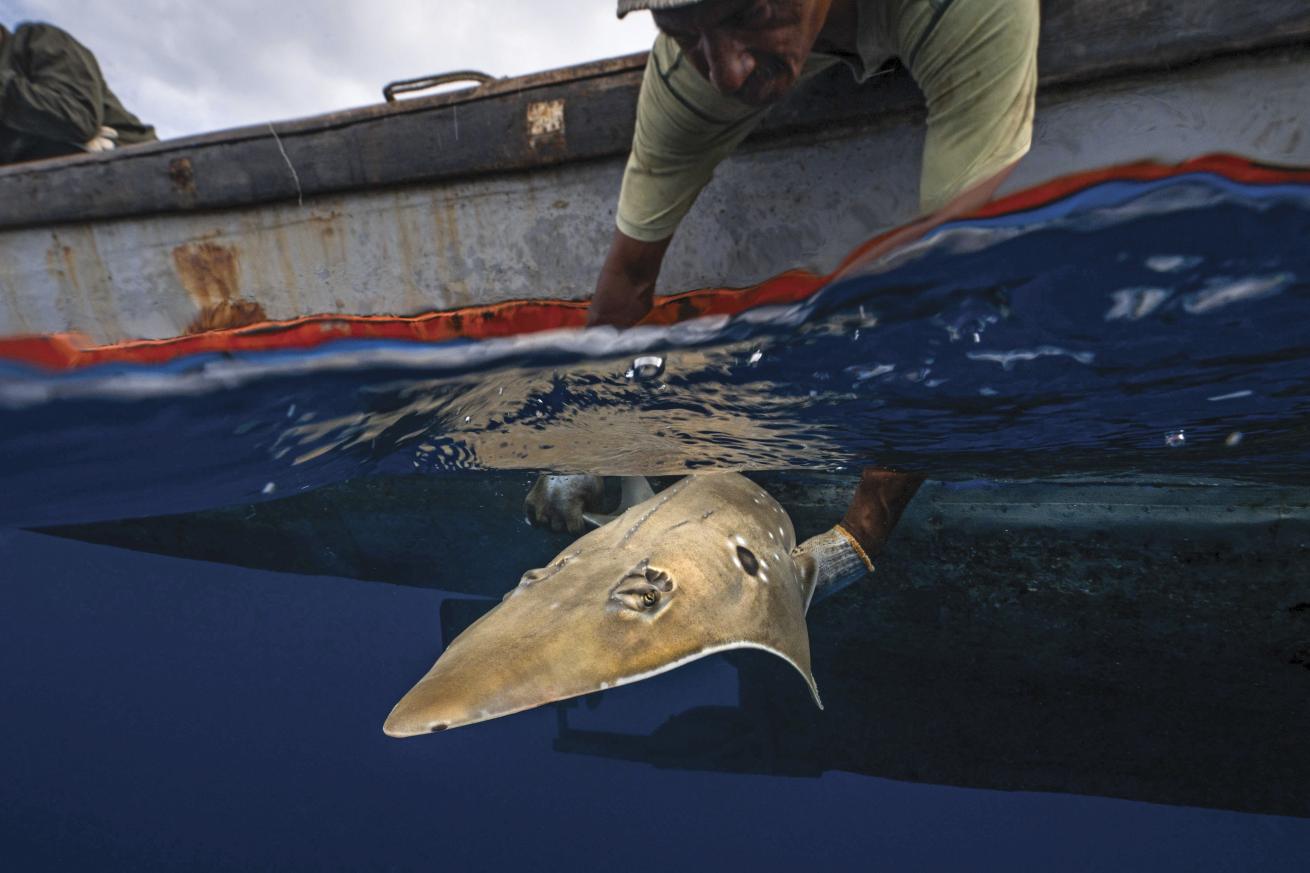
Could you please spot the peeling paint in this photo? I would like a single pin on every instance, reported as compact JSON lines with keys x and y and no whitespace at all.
{"x":546,"y":118}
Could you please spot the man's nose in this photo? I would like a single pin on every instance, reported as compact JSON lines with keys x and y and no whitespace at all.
{"x":729,"y":63}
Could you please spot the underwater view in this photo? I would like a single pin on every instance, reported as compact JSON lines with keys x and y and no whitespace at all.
{"x":1086,"y":646}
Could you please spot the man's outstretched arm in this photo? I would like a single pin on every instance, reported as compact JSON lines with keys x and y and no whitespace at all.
{"x":879,"y":500}
{"x":625,"y":290}
{"x":844,"y":554}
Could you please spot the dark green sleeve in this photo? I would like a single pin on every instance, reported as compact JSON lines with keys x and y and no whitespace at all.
{"x":60,"y":94}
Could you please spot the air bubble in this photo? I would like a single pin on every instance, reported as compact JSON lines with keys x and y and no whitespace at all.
{"x":1175,"y":440}
{"x":646,"y":367}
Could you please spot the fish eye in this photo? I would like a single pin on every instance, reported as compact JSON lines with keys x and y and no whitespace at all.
{"x":749,"y":562}
{"x":640,"y":599}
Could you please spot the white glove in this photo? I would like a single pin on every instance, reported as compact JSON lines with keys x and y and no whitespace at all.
{"x":558,"y":502}
{"x":829,"y":562}
{"x":104,"y":140}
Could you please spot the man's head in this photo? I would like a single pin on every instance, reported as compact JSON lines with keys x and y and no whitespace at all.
{"x":750,"y":49}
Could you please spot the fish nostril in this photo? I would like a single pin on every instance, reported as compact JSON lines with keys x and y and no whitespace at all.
{"x":749,"y":562}
{"x":661,"y":580}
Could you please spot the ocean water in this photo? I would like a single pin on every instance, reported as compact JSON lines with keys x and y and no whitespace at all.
{"x":1134,"y":328}
{"x":1086,"y":649}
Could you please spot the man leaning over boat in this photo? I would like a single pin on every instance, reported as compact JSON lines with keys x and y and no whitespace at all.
{"x":716,"y":68}
{"x":54,"y":100}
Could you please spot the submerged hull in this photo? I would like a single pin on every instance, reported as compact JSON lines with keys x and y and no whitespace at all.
{"x":1140,"y":641}
{"x":507,"y":191}
{"x":1143,"y":643}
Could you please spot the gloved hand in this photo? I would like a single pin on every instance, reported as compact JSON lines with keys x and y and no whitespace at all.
{"x":558,"y":502}
{"x":829,"y":562}
{"x":104,"y":140}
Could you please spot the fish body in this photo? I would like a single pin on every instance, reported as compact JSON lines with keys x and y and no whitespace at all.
{"x":704,"y":566}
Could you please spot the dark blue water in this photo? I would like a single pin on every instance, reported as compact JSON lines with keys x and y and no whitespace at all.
{"x":170,"y":713}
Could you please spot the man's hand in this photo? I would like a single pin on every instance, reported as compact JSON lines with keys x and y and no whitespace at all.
{"x":625,"y":290}
{"x":558,"y":502}
{"x":105,"y":140}
{"x":843,"y":555}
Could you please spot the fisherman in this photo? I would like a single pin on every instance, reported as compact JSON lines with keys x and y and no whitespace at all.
{"x":716,"y":68}
{"x":54,"y":100}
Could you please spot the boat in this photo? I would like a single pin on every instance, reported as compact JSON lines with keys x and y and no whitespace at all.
{"x":1147,"y":640}
{"x":506,"y":190}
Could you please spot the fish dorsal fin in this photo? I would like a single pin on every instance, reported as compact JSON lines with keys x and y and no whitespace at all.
{"x":635,"y":490}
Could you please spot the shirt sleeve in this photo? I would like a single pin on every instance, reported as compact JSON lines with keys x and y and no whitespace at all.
{"x":977,"y":68}
{"x":685,"y":127}
{"x":61,"y":95}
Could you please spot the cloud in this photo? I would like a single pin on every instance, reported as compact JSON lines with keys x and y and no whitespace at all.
{"x":190,"y":67}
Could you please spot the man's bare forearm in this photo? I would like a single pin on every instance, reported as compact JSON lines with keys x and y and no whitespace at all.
{"x":625,"y":290}
{"x":879,"y":500}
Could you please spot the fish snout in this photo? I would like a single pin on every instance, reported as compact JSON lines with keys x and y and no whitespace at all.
{"x":411,"y":719}
{"x":477,"y":680}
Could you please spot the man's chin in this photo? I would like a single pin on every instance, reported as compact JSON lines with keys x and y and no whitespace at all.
{"x":764,"y":96}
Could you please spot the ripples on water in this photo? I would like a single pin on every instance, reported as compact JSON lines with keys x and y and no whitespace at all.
{"x":1134,"y":328}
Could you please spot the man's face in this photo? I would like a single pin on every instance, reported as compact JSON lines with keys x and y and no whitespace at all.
{"x":750,"y":49}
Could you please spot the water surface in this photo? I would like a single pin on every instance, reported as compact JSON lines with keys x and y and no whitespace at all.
{"x":1086,"y":649}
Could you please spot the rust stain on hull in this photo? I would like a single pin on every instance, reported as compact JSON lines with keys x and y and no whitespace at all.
{"x":58,"y":260}
{"x":182,"y":178}
{"x":209,"y":273}
{"x":226,"y":315}
{"x":85,"y":292}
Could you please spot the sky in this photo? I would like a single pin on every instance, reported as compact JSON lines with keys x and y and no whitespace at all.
{"x":190,"y":67}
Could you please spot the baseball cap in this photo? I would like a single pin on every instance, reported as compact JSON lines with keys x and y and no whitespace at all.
{"x":626,"y":6}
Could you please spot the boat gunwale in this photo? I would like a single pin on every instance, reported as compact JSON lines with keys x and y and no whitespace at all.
{"x":240,"y":168}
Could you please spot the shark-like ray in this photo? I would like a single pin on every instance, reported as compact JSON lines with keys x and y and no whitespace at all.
{"x":704,"y":566}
